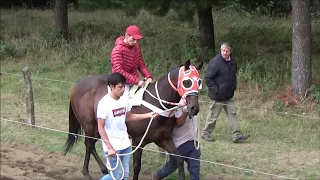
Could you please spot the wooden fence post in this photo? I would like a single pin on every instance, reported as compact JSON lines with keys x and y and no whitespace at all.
{"x":29,"y":96}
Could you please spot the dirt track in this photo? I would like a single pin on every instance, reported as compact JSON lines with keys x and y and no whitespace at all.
{"x":26,"y":163}
{"x":21,"y":162}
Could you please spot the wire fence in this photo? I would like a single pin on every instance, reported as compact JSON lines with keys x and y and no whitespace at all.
{"x":160,"y":152}
{"x":66,"y":92}
{"x":51,"y":107}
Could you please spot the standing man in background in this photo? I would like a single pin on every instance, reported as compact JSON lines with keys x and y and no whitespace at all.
{"x":221,"y":80}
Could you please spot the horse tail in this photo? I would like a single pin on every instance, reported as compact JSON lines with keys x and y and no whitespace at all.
{"x":74,"y":130}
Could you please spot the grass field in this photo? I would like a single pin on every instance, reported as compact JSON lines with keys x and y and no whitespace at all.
{"x":285,"y":140}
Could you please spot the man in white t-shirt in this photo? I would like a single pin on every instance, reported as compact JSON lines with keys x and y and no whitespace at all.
{"x":185,"y":138}
{"x":112,"y":112}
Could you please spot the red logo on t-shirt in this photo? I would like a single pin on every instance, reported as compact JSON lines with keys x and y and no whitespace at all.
{"x":119,"y":112}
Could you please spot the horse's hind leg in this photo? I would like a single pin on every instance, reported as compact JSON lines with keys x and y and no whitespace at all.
{"x":169,"y":146}
{"x":103,"y":168}
{"x":85,"y":170}
{"x":137,"y":158}
{"x":91,"y":149}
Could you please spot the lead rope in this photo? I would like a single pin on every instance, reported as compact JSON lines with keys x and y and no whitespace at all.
{"x":158,"y":96}
{"x":196,"y":143}
{"x":138,"y":146}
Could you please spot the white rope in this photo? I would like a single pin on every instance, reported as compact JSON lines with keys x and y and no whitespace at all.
{"x":38,"y":78}
{"x":108,"y":165}
{"x":285,"y":113}
{"x":244,"y":107}
{"x":158,"y":96}
{"x":160,"y":100}
{"x":225,"y":165}
{"x":138,"y":146}
{"x":197,"y":142}
{"x":152,"y":150}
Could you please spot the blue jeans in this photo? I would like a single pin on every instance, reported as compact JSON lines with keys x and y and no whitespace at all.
{"x":125,"y":160}
{"x":187,"y":149}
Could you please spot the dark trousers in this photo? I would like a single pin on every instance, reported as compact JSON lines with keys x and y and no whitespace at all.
{"x":187,"y":149}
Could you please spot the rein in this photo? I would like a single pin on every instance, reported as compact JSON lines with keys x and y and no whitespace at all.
{"x":135,"y":149}
{"x":170,"y":82}
{"x":161,"y":101}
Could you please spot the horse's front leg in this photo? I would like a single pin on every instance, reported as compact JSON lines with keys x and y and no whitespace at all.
{"x":169,"y":146}
{"x":137,"y":157}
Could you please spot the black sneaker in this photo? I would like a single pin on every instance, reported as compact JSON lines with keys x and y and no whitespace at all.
{"x":240,"y":138}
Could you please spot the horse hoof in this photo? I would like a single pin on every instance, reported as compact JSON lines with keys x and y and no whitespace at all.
{"x":88,"y":177}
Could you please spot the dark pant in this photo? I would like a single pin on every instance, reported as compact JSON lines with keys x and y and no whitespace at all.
{"x":187,"y":149}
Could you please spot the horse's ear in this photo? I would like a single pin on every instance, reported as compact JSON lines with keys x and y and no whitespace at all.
{"x":187,"y":64}
{"x":199,"y":66}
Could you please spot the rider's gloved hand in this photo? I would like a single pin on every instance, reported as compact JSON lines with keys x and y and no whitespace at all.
{"x":149,"y":80}
{"x":141,"y":83}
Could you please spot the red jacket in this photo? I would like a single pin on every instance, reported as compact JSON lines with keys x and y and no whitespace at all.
{"x":127,"y":60}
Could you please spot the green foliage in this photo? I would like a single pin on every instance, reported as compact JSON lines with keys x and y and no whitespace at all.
{"x":278,"y":106}
{"x":315,"y":8}
{"x":315,"y":92}
{"x":263,"y":56}
{"x":315,"y":40}
{"x":266,"y":71}
{"x":52,"y":37}
{"x":92,"y":5}
{"x":84,"y":29}
{"x":254,"y":35}
{"x":191,"y":46}
{"x":6,"y":51}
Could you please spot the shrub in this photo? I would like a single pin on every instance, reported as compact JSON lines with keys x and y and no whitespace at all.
{"x":6,"y":51}
{"x":315,"y":93}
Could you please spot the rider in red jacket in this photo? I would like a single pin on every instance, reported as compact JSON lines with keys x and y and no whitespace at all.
{"x":126,"y":57}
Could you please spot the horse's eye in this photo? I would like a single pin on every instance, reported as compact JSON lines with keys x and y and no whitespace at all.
{"x":199,"y":82}
{"x":187,"y":83}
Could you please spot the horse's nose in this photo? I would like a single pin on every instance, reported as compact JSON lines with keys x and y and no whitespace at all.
{"x":193,"y":111}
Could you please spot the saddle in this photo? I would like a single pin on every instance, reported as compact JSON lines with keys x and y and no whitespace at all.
{"x":136,"y":93}
{"x":135,"y":97}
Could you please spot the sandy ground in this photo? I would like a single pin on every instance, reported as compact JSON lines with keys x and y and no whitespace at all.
{"x":21,"y":162}
{"x":24,"y":163}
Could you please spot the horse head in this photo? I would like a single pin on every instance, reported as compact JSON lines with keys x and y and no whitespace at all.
{"x":188,"y":85}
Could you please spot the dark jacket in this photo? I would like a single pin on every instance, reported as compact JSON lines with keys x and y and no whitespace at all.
{"x":221,"y":78}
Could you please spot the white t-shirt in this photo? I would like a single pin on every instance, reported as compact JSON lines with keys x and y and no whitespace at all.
{"x":187,"y":132}
{"x":114,"y":112}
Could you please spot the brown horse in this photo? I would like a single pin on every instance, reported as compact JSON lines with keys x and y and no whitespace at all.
{"x":85,"y":96}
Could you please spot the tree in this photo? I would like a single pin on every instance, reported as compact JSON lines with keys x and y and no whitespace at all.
{"x":186,"y":10}
{"x":206,"y":31}
{"x":301,"y":47}
{"x":61,"y":17}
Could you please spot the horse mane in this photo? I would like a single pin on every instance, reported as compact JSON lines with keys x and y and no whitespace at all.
{"x":171,"y":70}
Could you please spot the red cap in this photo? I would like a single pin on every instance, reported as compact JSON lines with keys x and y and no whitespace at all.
{"x":134,"y":31}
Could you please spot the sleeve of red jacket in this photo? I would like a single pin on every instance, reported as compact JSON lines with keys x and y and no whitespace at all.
{"x":117,"y":63}
{"x":142,"y":66}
